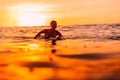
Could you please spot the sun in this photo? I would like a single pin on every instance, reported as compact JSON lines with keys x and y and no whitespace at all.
{"x":31,"y":19}
{"x":29,"y":14}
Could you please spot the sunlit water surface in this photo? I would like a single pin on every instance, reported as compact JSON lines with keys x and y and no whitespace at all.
{"x":68,"y":59}
{"x":87,"y":53}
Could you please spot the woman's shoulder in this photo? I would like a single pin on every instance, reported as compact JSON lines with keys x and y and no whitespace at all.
{"x":44,"y":30}
{"x":57,"y":31}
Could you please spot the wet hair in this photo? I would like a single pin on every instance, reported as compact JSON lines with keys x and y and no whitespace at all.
{"x":53,"y":21}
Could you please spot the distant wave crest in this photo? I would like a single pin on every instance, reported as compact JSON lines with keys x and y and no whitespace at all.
{"x":111,"y":32}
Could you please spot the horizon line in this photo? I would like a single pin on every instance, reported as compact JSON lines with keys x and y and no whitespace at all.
{"x":67,"y":25}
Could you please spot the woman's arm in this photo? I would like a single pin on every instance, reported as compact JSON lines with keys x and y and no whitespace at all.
{"x":59,"y":34}
{"x":37,"y":36}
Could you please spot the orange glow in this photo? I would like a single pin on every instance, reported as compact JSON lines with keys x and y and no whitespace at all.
{"x":27,"y":15}
{"x":31,"y":19}
{"x":39,"y":12}
{"x":33,"y":46}
{"x":98,"y":58}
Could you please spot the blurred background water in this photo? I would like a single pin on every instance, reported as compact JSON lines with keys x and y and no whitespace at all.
{"x":89,"y":52}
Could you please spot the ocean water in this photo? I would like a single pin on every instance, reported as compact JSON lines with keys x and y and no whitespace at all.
{"x":69,"y":32}
{"x":88,"y":52}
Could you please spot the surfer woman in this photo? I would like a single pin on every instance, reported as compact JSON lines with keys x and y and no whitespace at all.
{"x":50,"y":33}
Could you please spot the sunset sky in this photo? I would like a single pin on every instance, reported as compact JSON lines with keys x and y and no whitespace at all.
{"x":66,"y":12}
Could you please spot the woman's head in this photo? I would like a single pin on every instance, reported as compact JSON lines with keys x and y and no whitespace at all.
{"x":53,"y":24}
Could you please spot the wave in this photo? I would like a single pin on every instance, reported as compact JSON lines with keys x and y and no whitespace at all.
{"x":111,"y":32}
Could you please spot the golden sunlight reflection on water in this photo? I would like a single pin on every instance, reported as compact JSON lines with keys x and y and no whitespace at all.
{"x":68,"y":59}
